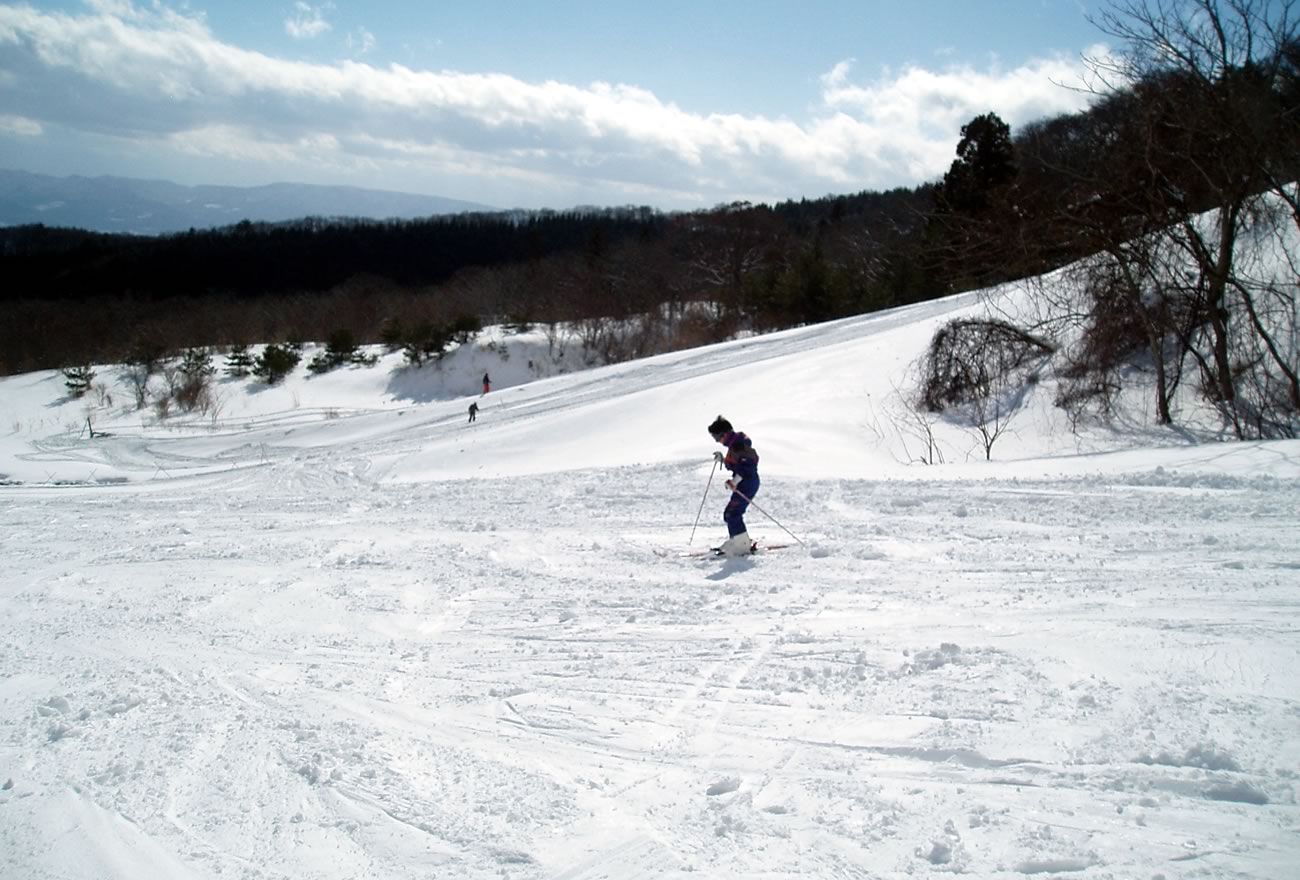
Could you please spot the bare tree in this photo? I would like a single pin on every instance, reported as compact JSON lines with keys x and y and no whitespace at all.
{"x":919,"y":425}
{"x":727,"y":247}
{"x":1212,"y":132}
{"x":979,"y":371}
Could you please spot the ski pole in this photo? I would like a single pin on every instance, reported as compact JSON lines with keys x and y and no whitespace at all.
{"x":702,"y":500}
{"x":768,"y":515}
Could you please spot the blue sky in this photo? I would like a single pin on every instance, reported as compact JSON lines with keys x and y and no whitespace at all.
{"x":674,"y":104}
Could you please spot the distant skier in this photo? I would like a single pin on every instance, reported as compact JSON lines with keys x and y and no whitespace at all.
{"x":473,"y":411}
{"x":742,"y":461}
{"x":487,"y":383}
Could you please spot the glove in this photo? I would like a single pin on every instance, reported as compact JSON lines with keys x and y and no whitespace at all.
{"x":731,"y":484}
{"x":718,"y":457}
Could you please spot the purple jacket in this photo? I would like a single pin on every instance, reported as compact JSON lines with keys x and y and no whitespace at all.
{"x":741,"y":458}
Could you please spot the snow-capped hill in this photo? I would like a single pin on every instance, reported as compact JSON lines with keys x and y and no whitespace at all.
{"x":331,"y":628}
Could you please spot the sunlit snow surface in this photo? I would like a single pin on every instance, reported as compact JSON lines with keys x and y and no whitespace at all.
{"x":333,"y":630}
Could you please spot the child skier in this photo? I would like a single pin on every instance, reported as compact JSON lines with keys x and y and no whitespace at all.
{"x":742,"y":461}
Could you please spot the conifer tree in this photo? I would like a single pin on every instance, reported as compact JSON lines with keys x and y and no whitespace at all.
{"x":985,"y":162}
{"x":196,"y":363}
{"x":340,"y":348}
{"x":78,"y":379}
{"x":275,"y":362}
{"x":191,"y":386}
{"x":239,"y":362}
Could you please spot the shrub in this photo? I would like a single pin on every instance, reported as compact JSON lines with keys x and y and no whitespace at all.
{"x":981,"y":369}
{"x":970,"y":360}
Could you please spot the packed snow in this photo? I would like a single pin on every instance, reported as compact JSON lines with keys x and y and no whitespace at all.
{"x":332,"y":629}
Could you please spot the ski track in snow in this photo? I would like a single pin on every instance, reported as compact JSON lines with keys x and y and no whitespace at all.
{"x":300,"y":671}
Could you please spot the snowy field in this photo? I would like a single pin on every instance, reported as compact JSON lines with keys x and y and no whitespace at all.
{"x":334,"y":631}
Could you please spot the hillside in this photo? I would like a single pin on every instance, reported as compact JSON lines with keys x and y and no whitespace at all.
{"x":332,"y":629}
{"x":156,"y":207}
{"x":843,"y":385}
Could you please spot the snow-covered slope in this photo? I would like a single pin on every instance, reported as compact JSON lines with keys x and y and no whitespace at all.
{"x":828,"y":400}
{"x":334,"y":630}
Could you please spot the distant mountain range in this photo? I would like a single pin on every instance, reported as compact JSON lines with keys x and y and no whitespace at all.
{"x":155,"y":207}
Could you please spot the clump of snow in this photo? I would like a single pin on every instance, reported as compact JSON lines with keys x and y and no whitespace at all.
{"x":1237,"y":792}
{"x":1200,"y":755}
{"x":1053,"y":866}
{"x":723,"y":786}
{"x":934,"y":658}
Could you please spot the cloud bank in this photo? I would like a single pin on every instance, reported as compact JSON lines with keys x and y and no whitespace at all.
{"x":158,"y":80}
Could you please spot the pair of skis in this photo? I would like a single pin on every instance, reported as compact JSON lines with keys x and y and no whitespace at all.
{"x":757,"y":550}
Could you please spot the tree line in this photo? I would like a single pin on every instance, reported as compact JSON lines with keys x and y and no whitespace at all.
{"x":79,"y":296}
{"x":1197,"y":112}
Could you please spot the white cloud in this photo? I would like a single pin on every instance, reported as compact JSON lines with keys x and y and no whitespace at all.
{"x":234,"y":142}
{"x":21,"y":126}
{"x":307,"y":21}
{"x":172,"y":81}
{"x":917,"y":98}
{"x":360,"y":41}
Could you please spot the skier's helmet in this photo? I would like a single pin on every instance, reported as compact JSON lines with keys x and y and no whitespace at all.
{"x":719,"y":427}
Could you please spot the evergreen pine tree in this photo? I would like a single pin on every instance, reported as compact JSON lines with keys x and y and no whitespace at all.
{"x":985,"y":161}
{"x":341,"y":348}
{"x":391,"y":334}
{"x":275,"y":362}
{"x":78,"y":379}
{"x":239,"y":362}
{"x":147,"y":354}
{"x":194,"y":375}
{"x":427,"y":340}
{"x":196,"y":363}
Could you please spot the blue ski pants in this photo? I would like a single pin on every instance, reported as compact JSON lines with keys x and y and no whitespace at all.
{"x":734,"y":514}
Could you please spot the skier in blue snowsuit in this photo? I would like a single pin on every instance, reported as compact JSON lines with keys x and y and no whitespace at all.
{"x":742,"y":461}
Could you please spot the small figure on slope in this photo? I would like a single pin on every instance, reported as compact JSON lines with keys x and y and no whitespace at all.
{"x":487,"y":383}
{"x":742,"y":461}
{"x":473,"y":411}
